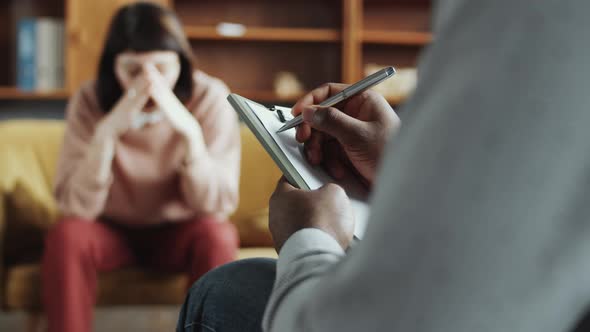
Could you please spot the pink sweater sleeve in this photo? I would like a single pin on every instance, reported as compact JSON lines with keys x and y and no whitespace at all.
{"x":77,"y":189}
{"x":210,"y":182}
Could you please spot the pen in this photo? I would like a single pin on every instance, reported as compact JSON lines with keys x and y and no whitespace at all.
{"x":352,"y":90}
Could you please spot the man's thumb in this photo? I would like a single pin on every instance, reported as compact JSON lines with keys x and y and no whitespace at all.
{"x":333,"y":122}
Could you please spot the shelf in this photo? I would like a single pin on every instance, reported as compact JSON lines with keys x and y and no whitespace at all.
{"x":8,"y":93}
{"x":265,"y":34}
{"x":270,"y":96}
{"x":265,"y":96}
{"x":396,"y":37}
{"x":333,"y":45}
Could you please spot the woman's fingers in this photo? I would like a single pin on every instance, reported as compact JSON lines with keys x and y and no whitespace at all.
{"x":162,"y":94}
{"x":138,"y":102}
{"x":136,"y":95}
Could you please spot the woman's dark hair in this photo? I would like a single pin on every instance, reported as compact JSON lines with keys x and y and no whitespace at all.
{"x":143,"y":27}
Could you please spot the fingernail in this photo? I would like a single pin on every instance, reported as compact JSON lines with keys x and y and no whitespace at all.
{"x":308,"y":113}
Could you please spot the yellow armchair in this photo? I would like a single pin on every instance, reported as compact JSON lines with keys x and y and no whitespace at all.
{"x":28,"y":156}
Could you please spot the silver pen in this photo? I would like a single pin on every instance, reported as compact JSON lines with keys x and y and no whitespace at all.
{"x":358,"y":87}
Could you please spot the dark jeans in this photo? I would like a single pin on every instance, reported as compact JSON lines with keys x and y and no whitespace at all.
{"x":229,"y":298}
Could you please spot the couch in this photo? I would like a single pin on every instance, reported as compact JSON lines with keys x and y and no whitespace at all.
{"x":28,"y":154}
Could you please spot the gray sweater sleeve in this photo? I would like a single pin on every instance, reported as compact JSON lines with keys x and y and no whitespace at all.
{"x":480,"y":220}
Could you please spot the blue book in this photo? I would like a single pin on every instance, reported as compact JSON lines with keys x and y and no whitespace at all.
{"x":26,"y":53}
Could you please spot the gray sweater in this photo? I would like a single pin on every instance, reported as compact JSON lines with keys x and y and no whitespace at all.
{"x":480,"y":218}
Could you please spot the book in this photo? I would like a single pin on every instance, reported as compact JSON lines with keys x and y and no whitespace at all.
{"x":40,"y":54}
{"x":60,"y":49}
{"x":287,"y":154}
{"x":26,"y":52}
{"x":49,"y":54}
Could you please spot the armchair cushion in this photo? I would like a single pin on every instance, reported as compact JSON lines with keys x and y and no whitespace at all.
{"x":22,"y":291}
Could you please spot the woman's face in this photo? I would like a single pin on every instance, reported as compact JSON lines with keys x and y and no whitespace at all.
{"x":131,"y":65}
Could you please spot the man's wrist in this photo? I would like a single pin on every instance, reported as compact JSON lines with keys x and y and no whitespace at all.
{"x":344,"y":243}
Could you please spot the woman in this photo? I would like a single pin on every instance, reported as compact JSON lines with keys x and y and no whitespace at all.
{"x":149,"y":168}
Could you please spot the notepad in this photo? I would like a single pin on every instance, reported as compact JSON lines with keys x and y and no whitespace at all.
{"x":287,"y":153}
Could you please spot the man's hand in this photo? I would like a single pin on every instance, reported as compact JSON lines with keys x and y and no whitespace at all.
{"x":327,"y":208}
{"x":349,"y":139}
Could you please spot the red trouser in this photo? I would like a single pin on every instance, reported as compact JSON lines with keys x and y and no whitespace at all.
{"x":76,"y":250}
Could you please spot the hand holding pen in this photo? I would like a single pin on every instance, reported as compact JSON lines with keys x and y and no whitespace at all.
{"x":352,"y":90}
{"x":348,"y":140}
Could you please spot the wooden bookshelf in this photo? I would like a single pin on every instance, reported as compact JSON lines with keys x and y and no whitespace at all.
{"x":396,"y":37}
{"x":332,"y":45}
{"x":266,"y":34}
{"x":12,"y":93}
{"x":266,"y":96}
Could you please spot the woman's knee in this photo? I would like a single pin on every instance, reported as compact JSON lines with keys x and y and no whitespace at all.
{"x":68,"y":236}
{"x":216,"y":234}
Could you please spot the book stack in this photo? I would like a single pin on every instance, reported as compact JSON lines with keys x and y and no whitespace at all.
{"x":40,"y":54}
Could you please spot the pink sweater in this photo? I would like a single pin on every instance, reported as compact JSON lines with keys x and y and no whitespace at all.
{"x":150,"y":183}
